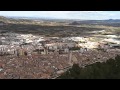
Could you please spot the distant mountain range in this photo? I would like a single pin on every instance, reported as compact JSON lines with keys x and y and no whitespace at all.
{"x":110,"y":22}
{"x":113,"y":22}
{"x":47,"y":18}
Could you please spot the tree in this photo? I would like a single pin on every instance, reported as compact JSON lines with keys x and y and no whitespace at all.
{"x":105,"y":70}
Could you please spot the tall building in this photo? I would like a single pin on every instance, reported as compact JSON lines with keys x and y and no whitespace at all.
{"x":70,"y":58}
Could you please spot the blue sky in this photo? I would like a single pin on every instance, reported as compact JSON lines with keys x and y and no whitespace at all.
{"x":91,"y":15}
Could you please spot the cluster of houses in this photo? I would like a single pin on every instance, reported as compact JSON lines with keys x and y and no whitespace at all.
{"x":14,"y":44}
{"x":18,"y":44}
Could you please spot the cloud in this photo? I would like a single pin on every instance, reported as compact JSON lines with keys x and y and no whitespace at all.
{"x":65,"y":14}
{"x":90,"y":14}
{"x":94,"y":14}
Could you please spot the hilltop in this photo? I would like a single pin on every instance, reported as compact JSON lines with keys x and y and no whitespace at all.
{"x":33,"y":21}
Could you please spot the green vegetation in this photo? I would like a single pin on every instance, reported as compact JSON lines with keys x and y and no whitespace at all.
{"x":106,"y":70}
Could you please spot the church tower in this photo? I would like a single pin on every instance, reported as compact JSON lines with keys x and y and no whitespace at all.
{"x":70,"y":58}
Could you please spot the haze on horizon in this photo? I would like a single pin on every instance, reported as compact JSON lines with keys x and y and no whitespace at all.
{"x":84,"y":15}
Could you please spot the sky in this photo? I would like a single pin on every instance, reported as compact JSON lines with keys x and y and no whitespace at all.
{"x":85,"y":15}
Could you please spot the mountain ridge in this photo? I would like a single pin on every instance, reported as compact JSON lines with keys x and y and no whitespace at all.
{"x":39,"y":21}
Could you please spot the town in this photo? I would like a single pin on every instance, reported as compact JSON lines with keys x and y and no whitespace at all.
{"x":45,"y":48}
{"x":38,"y":56}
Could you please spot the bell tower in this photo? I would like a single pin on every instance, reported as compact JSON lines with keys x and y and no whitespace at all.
{"x":70,"y":58}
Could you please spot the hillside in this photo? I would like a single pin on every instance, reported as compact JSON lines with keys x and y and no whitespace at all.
{"x":29,"y":21}
{"x":59,"y":28}
{"x":16,"y":21}
{"x":106,"y":70}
